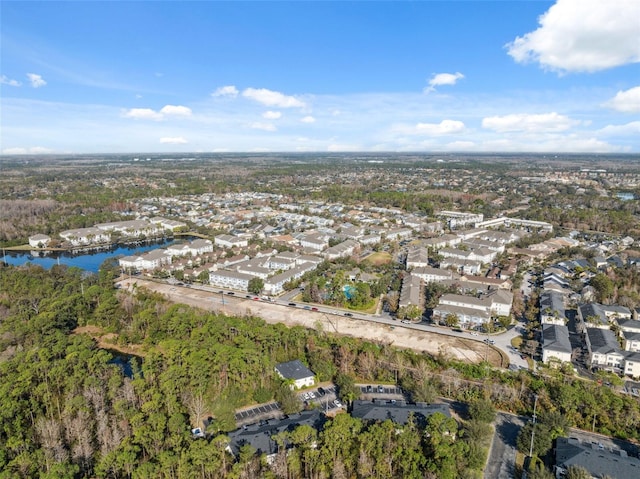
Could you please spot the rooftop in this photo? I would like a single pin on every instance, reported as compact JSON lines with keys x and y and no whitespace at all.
{"x":294,"y":370}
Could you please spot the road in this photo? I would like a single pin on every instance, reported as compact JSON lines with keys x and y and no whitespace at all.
{"x":418,"y":337}
{"x":503,"y":342}
{"x":502,"y":455}
{"x":501,"y":460}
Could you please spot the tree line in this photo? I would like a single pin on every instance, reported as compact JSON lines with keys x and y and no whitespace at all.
{"x":67,"y":409}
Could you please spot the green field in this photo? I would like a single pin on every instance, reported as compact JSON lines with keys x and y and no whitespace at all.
{"x":378,"y":258}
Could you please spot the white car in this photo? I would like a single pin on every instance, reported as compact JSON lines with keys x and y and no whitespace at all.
{"x":474,"y":333}
{"x":311,"y":395}
{"x":337,"y":403}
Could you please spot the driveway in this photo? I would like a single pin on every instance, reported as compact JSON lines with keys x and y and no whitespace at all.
{"x":502,"y":455}
{"x":503,"y":341}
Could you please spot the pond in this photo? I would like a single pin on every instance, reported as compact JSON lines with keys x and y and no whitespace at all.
{"x":128,"y":363}
{"x":89,"y":261}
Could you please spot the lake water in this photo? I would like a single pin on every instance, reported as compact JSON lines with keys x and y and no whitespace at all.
{"x":625,"y":196}
{"x":89,"y":261}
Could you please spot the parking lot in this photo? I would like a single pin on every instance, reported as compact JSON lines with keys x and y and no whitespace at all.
{"x":373,"y":391}
{"x":258,"y":413}
{"x":324,"y":397}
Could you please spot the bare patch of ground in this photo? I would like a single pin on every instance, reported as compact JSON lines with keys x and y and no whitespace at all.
{"x":398,"y":336}
{"x":108,"y":340}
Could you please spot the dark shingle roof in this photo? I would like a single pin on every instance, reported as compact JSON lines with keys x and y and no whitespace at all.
{"x":556,"y":338}
{"x":294,"y":370}
{"x":398,"y":412}
{"x":603,"y":341}
{"x":260,"y":436}
{"x":598,"y":461}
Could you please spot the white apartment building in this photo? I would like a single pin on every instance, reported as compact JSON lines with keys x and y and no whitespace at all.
{"x":145,"y":262}
{"x":230,"y":280}
{"x":85,"y":236}
{"x":229,"y":241}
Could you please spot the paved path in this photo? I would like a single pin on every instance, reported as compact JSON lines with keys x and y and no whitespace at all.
{"x":502,"y":455}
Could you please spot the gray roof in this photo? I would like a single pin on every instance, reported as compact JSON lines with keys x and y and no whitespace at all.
{"x":593,"y":310}
{"x":629,"y":324}
{"x":603,"y":341}
{"x":616,"y":309}
{"x":294,"y":370}
{"x":632,"y":356}
{"x":398,"y":412}
{"x":260,"y":436}
{"x":554,"y":301}
{"x":631,"y":336}
{"x":556,"y":338}
{"x":615,"y":463}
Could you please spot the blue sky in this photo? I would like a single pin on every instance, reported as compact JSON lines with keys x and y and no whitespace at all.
{"x":475,"y":76}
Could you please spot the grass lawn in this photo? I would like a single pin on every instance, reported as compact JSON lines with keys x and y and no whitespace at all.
{"x":379,"y":258}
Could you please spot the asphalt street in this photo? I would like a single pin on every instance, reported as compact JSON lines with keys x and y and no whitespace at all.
{"x":502,"y":456}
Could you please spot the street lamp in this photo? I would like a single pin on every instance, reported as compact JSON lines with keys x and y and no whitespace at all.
{"x":533,"y":429}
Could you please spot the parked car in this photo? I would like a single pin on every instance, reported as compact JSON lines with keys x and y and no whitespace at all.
{"x":348,"y":314}
{"x":337,"y":403}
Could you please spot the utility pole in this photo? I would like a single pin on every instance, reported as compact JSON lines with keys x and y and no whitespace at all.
{"x":533,"y":429}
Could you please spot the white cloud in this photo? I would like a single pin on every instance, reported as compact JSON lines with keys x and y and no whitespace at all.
{"x":173,"y":140}
{"x":582,"y":36}
{"x":175,"y":110}
{"x":272,"y":98}
{"x":627,"y":101}
{"x":165,"y":111}
{"x":544,"y":122}
{"x":36,"y":80}
{"x":629,"y":129}
{"x":271,"y":115}
{"x":265,"y":126}
{"x":229,"y":91}
{"x":8,"y":81}
{"x":445,"y":127}
{"x":308,"y":119}
{"x":143,"y":114}
{"x":439,"y":79}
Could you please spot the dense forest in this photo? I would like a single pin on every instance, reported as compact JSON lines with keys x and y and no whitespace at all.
{"x":68,"y":410}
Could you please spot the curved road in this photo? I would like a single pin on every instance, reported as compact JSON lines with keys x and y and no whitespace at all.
{"x":234,"y":301}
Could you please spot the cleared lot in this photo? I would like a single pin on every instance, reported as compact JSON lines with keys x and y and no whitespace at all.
{"x":431,"y":343}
